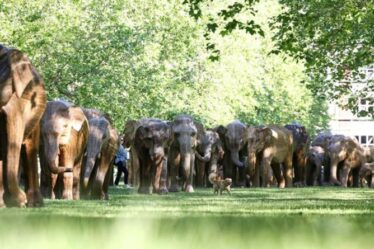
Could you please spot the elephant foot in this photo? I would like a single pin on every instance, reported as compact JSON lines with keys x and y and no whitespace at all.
{"x":145,"y":190}
{"x":334,"y":183}
{"x":163,"y":191}
{"x":174,"y":188}
{"x":34,"y":199}
{"x":282,"y":184}
{"x":189,"y":189}
{"x":298,"y":184}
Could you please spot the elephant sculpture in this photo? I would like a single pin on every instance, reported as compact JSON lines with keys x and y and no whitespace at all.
{"x":300,"y":138}
{"x":234,"y":138}
{"x":346,"y":156}
{"x":64,"y":134}
{"x":102,"y":145}
{"x":152,"y":142}
{"x":270,"y":147}
{"x":186,"y":134}
{"x":208,"y":152}
{"x":22,"y":103}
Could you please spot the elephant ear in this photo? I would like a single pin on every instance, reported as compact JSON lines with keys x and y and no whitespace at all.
{"x":129,"y":132}
{"x":77,"y":118}
{"x":267,"y":134}
{"x":200,"y":130}
{"x":221,"y":130}
{"x":21,"y":71}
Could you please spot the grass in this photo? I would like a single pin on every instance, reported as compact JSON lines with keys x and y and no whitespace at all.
{"x":249,"y":218}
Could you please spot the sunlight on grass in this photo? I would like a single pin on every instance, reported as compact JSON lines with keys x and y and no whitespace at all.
{"x":258,"y":218}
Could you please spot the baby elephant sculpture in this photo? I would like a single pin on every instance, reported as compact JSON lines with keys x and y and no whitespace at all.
{"x":63,"y":142}
{"x":22,"y":103}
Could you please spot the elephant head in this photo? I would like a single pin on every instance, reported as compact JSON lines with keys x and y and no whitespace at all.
{"x":258,"y":138}
{"x":207,"y":142}
{"x":58,"y":124}
{"x":187,"y":134}
{"x":234,"y":137}
{"x":155,"y":136}
{"x":99,"y":135}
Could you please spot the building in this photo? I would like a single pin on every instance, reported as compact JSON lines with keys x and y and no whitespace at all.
{"x":346,"y":123}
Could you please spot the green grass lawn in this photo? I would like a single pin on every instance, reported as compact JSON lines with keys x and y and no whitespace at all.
{"x":249,"y":218}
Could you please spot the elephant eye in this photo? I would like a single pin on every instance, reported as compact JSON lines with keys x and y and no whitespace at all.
{"x":193,"y":133}
{"x":176,"y":134}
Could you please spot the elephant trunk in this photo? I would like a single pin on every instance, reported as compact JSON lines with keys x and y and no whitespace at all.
{"x":205,"y":158}
{"x":186,"y":164}
{"x":57,"y":170}
{"x":90,"y":163}
{"x":235,"y":159}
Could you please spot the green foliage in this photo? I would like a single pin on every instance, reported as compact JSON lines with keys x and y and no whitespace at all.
{"x":135,"y":59}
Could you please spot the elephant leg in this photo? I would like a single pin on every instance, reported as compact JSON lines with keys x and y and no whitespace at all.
{"x":174,"y":161}
{"x":107,"y":181}
{"x":76,"y":180}
{"x":241,"y":180}
{"x":68,"y":180}
{"x":200,"y":173}
{"x":287,"y":171}
{"x":98,"y":191}
{"x":265,"y":164}
{"x":278,"y":174}
{"x":15,"y":129}
{"x":53,"y":185}
{"x":2,"y":204}
{"x":145,"y":175}
{"x":34,"y":197}
{"x":256,"y":175}
{"x":344,"y":175}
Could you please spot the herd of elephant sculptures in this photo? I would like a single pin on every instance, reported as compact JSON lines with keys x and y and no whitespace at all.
{"x":76,"y":147}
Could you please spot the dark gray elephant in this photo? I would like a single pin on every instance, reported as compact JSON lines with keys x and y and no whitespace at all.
{"x":300,"y":139}
{"x":270,"y":148}
{"x":208,"y":152}
{"x":186,"y":136}
{"x":234,"y":138}
{"x":152,"y":142}
{"x":102,"y":145}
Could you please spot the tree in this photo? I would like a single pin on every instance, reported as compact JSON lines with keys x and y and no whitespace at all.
{"x":333,"y":38}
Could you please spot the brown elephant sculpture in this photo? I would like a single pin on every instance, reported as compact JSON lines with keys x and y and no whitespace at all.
{"x":208,"y":152}
{"x":64,"y":134}
{"x":152,"y":142}
{"x":22,"y":104}
{"x":268,"y":148}
{"x":186,"y":134}
{"x":300,"y":139}
{"x":102,"y":145}
{"x":346,"y":156}
{"x":234,"y":139}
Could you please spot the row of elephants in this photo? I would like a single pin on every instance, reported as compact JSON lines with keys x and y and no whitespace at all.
{"x":76,"y":146}
{"x":166,"y":156}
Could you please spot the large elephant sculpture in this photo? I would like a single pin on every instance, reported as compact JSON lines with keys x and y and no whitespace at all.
{"x":64,"y":134}
{"x":102,"y":145}
{"x":300,"y":139}
{"x":186,"y":134}
{"x":270,"y":147}
{"x":22,"y":103}
{"x":208,"y":152}
{"x":346,"y":156}
{"x":152,"y":142}
{"x":234,"y":138}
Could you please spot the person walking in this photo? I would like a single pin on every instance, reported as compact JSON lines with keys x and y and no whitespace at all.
{"x":121,"y":162}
